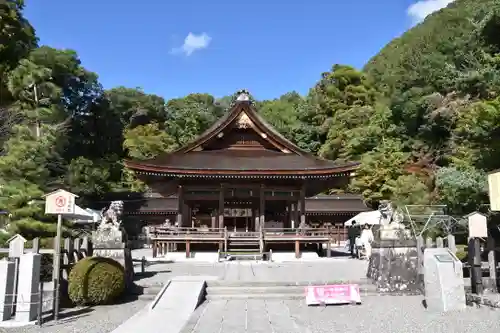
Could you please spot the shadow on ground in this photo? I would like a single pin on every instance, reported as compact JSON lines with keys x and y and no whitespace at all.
{"x":68,"y":315}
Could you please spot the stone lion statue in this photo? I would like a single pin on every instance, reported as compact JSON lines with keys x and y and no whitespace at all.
{"x":111,"y":217}
{"x":390,"y":215}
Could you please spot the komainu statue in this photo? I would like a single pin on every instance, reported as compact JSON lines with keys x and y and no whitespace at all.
{"x":389,"y":214}
{"x":111,"y":217}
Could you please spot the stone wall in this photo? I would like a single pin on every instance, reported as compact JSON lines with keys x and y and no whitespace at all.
{"x":393,"y":267}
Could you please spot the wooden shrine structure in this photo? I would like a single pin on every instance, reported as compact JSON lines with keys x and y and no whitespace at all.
{"x":243,"y":179}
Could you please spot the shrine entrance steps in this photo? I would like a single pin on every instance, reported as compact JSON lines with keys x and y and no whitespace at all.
{"x":229,"y":290}
{"x":243,"y":246}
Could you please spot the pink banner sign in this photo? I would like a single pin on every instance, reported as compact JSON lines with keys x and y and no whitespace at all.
{"x":333,"y":294}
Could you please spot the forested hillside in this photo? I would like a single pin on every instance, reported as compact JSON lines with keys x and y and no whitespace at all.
{"x":423,"y":118}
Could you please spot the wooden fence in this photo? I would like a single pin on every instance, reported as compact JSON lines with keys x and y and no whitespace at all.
{"x":473,"y":264}
{"x":72,"y":250}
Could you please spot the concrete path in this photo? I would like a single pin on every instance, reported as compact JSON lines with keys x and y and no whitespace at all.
{"x":171,"y":310}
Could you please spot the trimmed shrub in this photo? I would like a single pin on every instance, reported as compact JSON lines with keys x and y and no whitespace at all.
{"x":462,"y":253}
{"x":96,"y":281}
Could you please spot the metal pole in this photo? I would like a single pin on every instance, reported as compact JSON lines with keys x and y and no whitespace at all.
{"x":57,"y":266}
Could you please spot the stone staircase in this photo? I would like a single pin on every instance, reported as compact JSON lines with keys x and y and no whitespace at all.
{"x":228,"y":290}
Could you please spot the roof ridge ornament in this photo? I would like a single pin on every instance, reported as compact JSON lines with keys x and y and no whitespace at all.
{"x":242,"y":95}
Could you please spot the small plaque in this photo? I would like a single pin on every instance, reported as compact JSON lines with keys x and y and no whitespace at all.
{"x":444,"y":258}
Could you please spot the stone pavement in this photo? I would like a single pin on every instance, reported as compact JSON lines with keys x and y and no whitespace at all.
{"x":388,"y":314}
{"x":311,"y":271}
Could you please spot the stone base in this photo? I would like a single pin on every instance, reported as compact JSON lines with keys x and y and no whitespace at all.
{"x":109,"y":243}
{"x":394,"y":270}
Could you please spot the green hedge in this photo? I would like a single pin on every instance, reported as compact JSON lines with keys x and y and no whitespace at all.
{"x":95,"y":281}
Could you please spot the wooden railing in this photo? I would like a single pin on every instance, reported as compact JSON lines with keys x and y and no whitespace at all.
{"x":184,"y":233}
{"x":222,"y":234}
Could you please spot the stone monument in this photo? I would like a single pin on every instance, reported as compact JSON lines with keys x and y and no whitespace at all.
{"x":393,"y":264}
{"x":110,"y":239}
{"x":444,"y":281}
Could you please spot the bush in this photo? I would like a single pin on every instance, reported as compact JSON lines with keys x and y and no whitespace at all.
{"x":462,"y":253}
{"x":95,"y":281}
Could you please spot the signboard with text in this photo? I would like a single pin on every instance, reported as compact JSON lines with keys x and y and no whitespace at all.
{"x":60,"y":202}
{"x":333,"y":294}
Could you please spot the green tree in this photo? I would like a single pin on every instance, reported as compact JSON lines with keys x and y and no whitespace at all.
{"x":147,"y":141}
{"x":188,"y":117}
{"x":17,"y":39}
{"x":463,"y":191}
{"x":378,"y":169}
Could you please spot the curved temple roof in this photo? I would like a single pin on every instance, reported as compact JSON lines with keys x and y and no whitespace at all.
{"x":284,"y":159}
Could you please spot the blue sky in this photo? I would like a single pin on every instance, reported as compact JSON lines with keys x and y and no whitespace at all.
{"x":173,"y":48}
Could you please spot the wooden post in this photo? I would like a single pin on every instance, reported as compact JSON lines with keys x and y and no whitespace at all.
{"x":297,"y":249}
{"x":329,"y":248}
{"x":214,"y":221}
{"x":36,"y":245}
{"x":67,"y":257}
{"x":429,"y":243}
{"x":492,"y":264}
{"x":288,"y":215}
{"x":180,"y":205}
{"x":188,"y":249}
{"x":77,"y":243}
{"x":476,"y":275}
{"x":155,"y":248}
{"x":221,"y":207}
{"x":303,"y":205}
{"x":262,"y":207}
{"x":86,"y":247}
{"x":225,"y":239}
{"x":451,"y":244}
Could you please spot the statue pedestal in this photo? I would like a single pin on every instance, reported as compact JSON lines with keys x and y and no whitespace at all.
{"x":110,"y":243}
{"x":393,"y":263}
{"x":394,"y":231}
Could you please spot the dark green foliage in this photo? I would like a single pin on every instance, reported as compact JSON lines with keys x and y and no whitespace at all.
{"x":95,"y":281}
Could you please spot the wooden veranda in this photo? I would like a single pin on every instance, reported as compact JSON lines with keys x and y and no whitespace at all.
{"x":165,"y":240}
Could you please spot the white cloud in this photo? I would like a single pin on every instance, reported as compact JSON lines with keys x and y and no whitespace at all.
{"x":193,"y":43}
{"x":419,"y":10}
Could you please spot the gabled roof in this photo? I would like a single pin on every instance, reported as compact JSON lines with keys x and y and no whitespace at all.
{"x":245,"y":112}
{"x":288,"y":158}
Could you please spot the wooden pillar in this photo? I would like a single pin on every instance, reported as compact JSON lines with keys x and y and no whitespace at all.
{"x":214,"y":221}
{"x":329,"y":248}
{"x":186,"y":216}
{"x":303,"y":205}
{"x":297,"y":249}
{"x":155,"y":249}
{"x":188,"y":249}
{"x":256,"y":219}
{"x":180,"y":204}
{"x":221,"y":207}
{"x":262,"y":207}
{"x":288,"y":215}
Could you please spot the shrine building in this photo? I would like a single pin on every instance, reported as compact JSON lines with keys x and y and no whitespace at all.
{"x":241,"y":175}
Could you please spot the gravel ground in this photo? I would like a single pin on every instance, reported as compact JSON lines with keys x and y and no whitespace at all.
{"x":101,"y":319}
{"x":388,"y":314}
